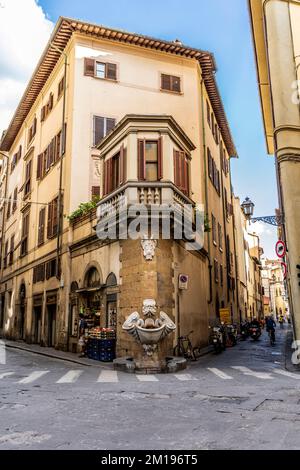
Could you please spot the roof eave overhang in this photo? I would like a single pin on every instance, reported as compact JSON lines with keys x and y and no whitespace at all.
{"x":60,"y":38}
{"x":149,"y":118}
{"x":261,"y":59}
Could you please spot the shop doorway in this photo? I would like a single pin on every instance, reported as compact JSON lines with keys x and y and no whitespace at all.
{"x":22,"y":311}
{"x":37,"y":324}
{"x":111,"y":311}
{"x":51,"y":320}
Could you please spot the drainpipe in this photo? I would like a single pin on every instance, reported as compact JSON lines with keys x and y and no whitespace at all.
{"x":62,"y":152}
{"x":3,"y":222}
{"x":206,"y":193}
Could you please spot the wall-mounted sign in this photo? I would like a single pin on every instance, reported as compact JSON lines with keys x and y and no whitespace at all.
{"x":225,"y":315}
{"x":284,"y":269}
{"x":280,"y":249}
{"x":183,"y":281}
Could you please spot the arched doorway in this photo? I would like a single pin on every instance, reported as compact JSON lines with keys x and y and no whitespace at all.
{"x":22,"y":300}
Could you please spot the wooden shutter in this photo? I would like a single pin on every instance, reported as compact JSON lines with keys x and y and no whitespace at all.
{"x":89,"y":67}
{"x":106,"y":177}
{"x":111,"y":71}
{"x":41,"y":229}
{"x":64,"y":139}
{"x":34,"y":127}
{"x":95,"y":191}
{"x":98,"y":129}
{"x":182,"y":175}
{"x":43,"y":114}
{"x":15,"y":196}
{"x":175,"y":84}
{"x":110,"y":124}
{"x":19,"y":153}
{"x":57,"y":147}
{"x":160,"y":158}
{"x":165,"y":82}
{"x":176,"y":159}
{"x":50,"y":220}
{"x":124,"y":166}
{"x":141,"y":159}
{"x":39,"y":168}
{"x":109,"y":175}
{"x":121,"y":165}
{"x":55,"y":217}
{"x":209,"y":164}
{"x":50,"y":103}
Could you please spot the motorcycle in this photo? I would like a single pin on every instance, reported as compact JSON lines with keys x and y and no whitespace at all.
{"x":231,"y":335}
{"x":244,"y":331}
{"x":255,"y":332}
{"x":217,"y":339}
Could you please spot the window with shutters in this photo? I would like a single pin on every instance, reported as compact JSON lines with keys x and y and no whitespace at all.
{"x":39,"y":273}
{"x":220,"y":237}
{"x":5,"y":254}
{"x":213,"y":172}
{"x":15,"y":200}
{"x":32,"y":131}
{"x":216,"y":270}
{"x":41,"y":227}
{"x":25,"y":234}
{"x":11,"y":251}
{"x":47,"y":108}
{"x":95,"y":193}
{"x":170,"y":83}
{"x":101,"y":127}
{"x":115,"y":171}
{"x":150,"y":160}
{"x":210,"y":164}
{"x":60,"y":88}
{"x":221,"y":275}
{"x":208,"y":112}
{"x":8,"y":211}
{"x":27,"y":185}
{"x":114,"y":174}
{"x":181,"y":171}
{"x":214,"y":229}
{"x":52,"y":218}
{"x":49,"y":157}
{"x":50,"y":268}
{"x":15,"y":158}
{"x":103,"y":70}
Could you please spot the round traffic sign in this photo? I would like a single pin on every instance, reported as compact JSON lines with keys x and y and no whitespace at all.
{"x":284,"y":269}
{"x":280,"y":249}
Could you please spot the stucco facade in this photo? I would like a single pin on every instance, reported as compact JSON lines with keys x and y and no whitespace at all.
{"x":43,"y":308}
{"x":276,"y":32}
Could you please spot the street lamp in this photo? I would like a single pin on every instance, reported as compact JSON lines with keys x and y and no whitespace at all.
{"x":248,"y":209}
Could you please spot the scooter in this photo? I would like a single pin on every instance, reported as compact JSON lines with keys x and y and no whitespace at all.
{"x":244,"y":331}
{"x":255,"y":332}
{"x":231,"y":335}
{"x":217,"y":339}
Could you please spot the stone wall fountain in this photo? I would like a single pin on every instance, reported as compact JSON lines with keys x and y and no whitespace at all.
{"x":149,"y":332}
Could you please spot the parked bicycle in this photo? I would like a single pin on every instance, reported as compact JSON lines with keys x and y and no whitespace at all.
{"x":185,"y":348}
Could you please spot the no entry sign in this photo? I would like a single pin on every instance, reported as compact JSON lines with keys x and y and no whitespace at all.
{"x":280,"y":249}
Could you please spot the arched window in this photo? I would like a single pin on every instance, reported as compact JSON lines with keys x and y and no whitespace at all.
{"x":111,"y":280}
{"x":93,"y":278}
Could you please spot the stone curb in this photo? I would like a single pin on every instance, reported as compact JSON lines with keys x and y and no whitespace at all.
{"x":57,"y":356}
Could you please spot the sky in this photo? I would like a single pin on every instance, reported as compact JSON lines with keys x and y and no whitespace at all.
{"x":221,"y":27}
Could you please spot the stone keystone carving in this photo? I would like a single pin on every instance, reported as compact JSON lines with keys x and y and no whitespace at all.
{"x":148,"y":245}
{"x":151,"y":331}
